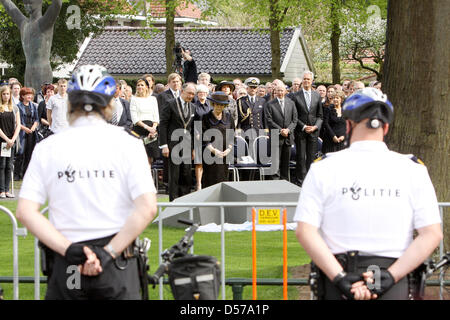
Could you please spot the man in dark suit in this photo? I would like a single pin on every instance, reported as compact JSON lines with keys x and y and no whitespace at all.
{"x":310,"y":118}
{"x":174,"y":81}
{"x":121,"y":113}
{"x":177,"y":117}
{"x":281,"y":115}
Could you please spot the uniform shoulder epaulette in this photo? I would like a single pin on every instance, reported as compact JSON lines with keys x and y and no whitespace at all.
{"x":132,"y":133}
{"x":320,"y":158}
{"x":241,"y":98}
{"x":416,"y":160}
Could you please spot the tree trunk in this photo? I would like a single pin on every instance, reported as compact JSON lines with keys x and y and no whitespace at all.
{"x":416,"y":80}
{"x":335,"y":35}
{"x":275,"y":39}
{"x":380,"y":74}
{"x":275,"y":49}
{"x":170,"y":35}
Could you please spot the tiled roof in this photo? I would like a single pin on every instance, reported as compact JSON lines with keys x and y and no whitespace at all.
{"x":215,"y":50}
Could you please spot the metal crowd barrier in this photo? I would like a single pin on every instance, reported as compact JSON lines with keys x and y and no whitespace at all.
{"x":16,"y":232}
{"x":37,"y":279}
{"x":222,"y":206}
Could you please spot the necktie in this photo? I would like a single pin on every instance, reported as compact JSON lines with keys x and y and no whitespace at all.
{"x":308,"y":99}
{"x":114,"y":118}
{"x":114,"y":115}
{"x":186,"y":109}
{"x":282,"y":106}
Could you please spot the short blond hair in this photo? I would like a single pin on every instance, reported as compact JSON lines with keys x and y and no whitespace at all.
{"x":205,"y":75}
{"x":173,"y":76}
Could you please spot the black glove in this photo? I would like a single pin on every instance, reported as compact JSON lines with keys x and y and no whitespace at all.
{"x":386,"y":282}
{"x":104,"y":256}
{"x":75,"y":254}
{"x":344,"y":282}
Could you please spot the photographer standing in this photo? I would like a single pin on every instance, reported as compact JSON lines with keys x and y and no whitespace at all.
{"x":189,"y":67}
{"x":100,"y":197}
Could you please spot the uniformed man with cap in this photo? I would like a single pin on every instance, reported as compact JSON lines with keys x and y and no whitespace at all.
{"x":251,"y":110}
{"x":359,"y":208}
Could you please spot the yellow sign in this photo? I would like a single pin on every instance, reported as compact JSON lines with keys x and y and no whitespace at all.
{"x":268,"y":216}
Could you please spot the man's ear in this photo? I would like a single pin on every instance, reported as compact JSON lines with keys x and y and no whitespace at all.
{"x":385,"y":129}
{"x":348,"y":126}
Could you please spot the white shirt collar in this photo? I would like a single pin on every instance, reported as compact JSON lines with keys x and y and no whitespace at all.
{"x":368,"y":145}
{"x":91,"y":119}
{"x":61,"y":97}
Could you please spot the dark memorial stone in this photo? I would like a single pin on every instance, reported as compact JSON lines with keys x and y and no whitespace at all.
{"x":244,"y":191}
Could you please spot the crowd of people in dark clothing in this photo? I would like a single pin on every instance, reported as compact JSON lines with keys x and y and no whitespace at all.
{"x":307,"y":120}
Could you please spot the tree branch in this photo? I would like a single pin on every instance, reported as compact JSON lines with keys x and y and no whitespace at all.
{"x":361,"y":63}
{"x":16,"y":15}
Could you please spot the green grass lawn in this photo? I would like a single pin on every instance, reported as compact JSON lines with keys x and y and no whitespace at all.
{"x":238,"y":257}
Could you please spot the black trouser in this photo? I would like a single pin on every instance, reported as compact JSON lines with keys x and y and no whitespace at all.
{"x":400,"y":291}
{"x":22,"y":160}
{"x":306,"y":152}
{"x":6,"y":167}
{"x":118,"y":281}
{"x":180,"y":179}
{"x":283,"y":158}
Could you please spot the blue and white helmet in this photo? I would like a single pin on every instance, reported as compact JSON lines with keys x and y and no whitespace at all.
{"x":368,"y":103}
{"x":91,"y":84}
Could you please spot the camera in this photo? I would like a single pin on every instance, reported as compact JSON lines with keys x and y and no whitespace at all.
{"x":178,"y":49}
{"x":178,"y":53}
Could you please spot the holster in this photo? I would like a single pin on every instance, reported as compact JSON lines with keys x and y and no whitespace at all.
{"x":47,"y":259}
{"x":417,"y":281}
{"x":316,"y":281}
{"x":348,"y":260}
{"x":141,"y":248}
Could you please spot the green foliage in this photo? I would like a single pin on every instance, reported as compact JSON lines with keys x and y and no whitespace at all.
{"x":317,"y":18}
{"x":66,"y":40}
{"x":249,"y":13}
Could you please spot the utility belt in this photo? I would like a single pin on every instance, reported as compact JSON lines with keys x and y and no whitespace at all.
{"x":48,"y":255}
{"x":137,"y":249}
{"x":351,"y":262}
